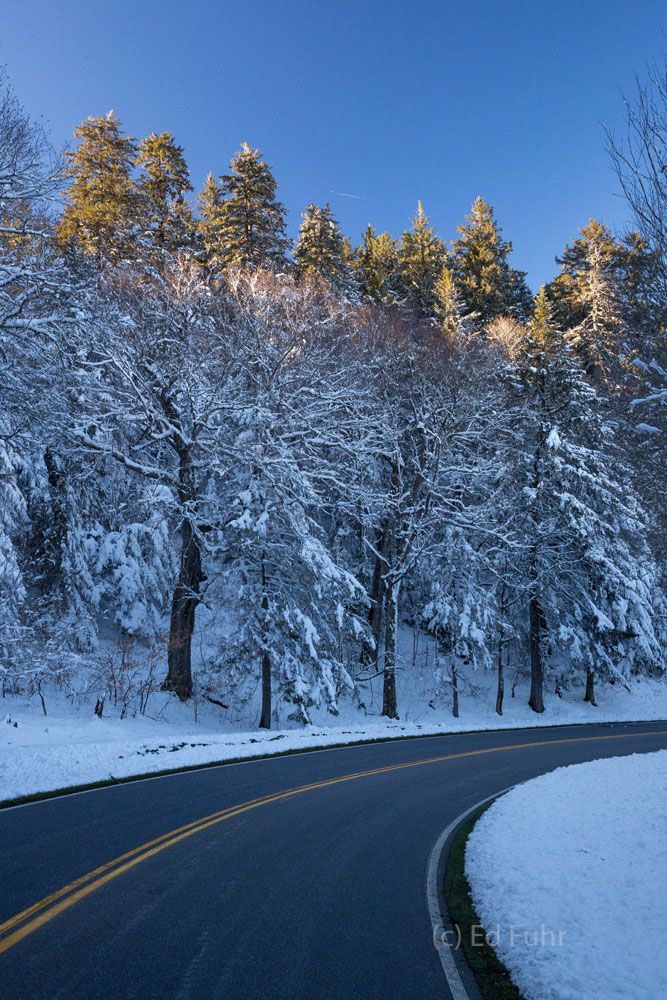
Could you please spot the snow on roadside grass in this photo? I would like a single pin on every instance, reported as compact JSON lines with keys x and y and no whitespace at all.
{"x":66,"y":747}
{"x":568,"y":874}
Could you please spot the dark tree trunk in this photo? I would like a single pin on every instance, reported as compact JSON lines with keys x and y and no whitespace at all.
{"x":183,"y":606}
{"x":375,"y":610}
{"x":455,"y":690}
{"x":265,"y":720}
{"x":501,"y":679}
{"x":389,"y":708}
{"x":536,"y":700}
{"x":51,"y":545}
{"x":500,"y":694}
{"x":590,"y":687}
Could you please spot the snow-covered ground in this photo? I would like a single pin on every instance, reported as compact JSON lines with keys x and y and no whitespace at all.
{"x":71,"y":746}
{"x":569,"y":877}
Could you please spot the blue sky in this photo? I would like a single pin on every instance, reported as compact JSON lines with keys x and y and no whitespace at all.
{"x":438,"y":100}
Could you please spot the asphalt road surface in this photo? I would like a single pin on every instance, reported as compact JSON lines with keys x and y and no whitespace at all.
{"x":317,"y":893}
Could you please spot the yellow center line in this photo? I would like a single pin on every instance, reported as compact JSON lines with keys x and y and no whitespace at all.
{"x":54,"y":903}
{"x":8,"y":924}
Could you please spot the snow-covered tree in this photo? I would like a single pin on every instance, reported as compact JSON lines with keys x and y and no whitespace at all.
{"x":251,"y":219}
{"x":13,"y":522}
{"x":464,"y":597}
{"x":209,"y":223}
{"x":479,"y":260}
{"x":152,"y":396}
{"x":36,"y":306}
{"x":167,"y":222}
{"x":322,"y":249}
{"x":421,"y":255}
{"x":102,"y":203}
{"x":289,"y":457}
{"x":429,"y":420}
{"x":448,"y":309}
{"x":376,"y":267}
{"x":591,"y":583}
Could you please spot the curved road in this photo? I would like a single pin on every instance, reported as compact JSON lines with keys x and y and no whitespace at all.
{"x":319,"y":893}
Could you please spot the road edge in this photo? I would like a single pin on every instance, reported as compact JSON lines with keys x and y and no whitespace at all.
{"x":437,"y":907}
{"x":35,"y":797}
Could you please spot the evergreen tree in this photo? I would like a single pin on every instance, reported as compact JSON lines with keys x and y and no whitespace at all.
{"x":322,"y":248}
{"x":162,"y":187}
{"x":644,"y":310}
{"x":447,"y":303}
{"x":420,"y":259}
{"x":590,"y":580}
{"x":102,"y":205}
{"x":603,"y":296}
{"x":209,"y":222}
{"x":488,"y":285}
{"x":376,"y":267}
{"x":251,"y":220}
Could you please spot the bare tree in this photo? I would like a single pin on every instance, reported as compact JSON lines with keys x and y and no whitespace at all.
{"x":640,"y":159}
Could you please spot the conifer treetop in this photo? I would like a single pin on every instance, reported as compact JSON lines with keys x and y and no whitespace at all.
{"x":251,"y":219}
{"x":421,"y":256}
{"x":376,"y":266}
{"x":322,"y":248}
{"x":479,"y":259}
{"x":101,"y":204}
{"x":164,"y":182}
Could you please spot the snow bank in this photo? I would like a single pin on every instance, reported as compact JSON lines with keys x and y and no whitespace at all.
{"x":569,"y":877}
{"x":70,"y":747}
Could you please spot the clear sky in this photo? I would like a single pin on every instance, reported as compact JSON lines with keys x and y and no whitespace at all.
{"x":388,"y":101}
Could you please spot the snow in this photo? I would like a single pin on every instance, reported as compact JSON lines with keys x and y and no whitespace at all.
{"x":553,"y":439}
{"x":575,"y":861}
{"x":648,"y":429}
{"x":71,"y":746}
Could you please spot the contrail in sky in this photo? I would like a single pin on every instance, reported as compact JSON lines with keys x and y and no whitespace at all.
{"x":342,"y":194}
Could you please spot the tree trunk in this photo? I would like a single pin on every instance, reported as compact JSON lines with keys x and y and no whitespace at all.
{"x":455,"y":690}
{"x":375,"y":610}
{"x":183,"y":607}
{"x":265,"y":720}
{"x":501,"y":679}
{"x":500,"y":694}
{"x":53,"y":537}
{"x":590,"y":687}
{"x":536,"y":700}
{"x":391,"y":625}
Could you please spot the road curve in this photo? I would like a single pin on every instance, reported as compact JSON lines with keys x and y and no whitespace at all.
{"x":282,"y":891}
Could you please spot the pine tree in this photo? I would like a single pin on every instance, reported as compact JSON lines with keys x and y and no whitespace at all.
{"x":376,"y":267}
{"x":102,"y":206}
{"x":589,"y":577}
{"x":252,"y":221}
{"x":645,"y":312}
{"x":447,"y":303}
{"x":603,"y":296}
{"x":488,"y":285}
{"x":420,"y":258}
{"x":162,"y":187}
{"x":209,"y":222}
{"x":322,"y":248}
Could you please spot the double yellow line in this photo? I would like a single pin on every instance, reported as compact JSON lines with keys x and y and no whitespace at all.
{"x":31,"y":919}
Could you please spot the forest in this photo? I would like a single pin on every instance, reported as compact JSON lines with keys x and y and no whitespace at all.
{"x":320,"y":441}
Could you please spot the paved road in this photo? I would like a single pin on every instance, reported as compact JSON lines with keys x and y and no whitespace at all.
{"x":313,"y":895}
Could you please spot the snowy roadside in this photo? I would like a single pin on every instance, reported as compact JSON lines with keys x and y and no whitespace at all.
{"x":568,"y":873}
{"x":40,"y":753}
